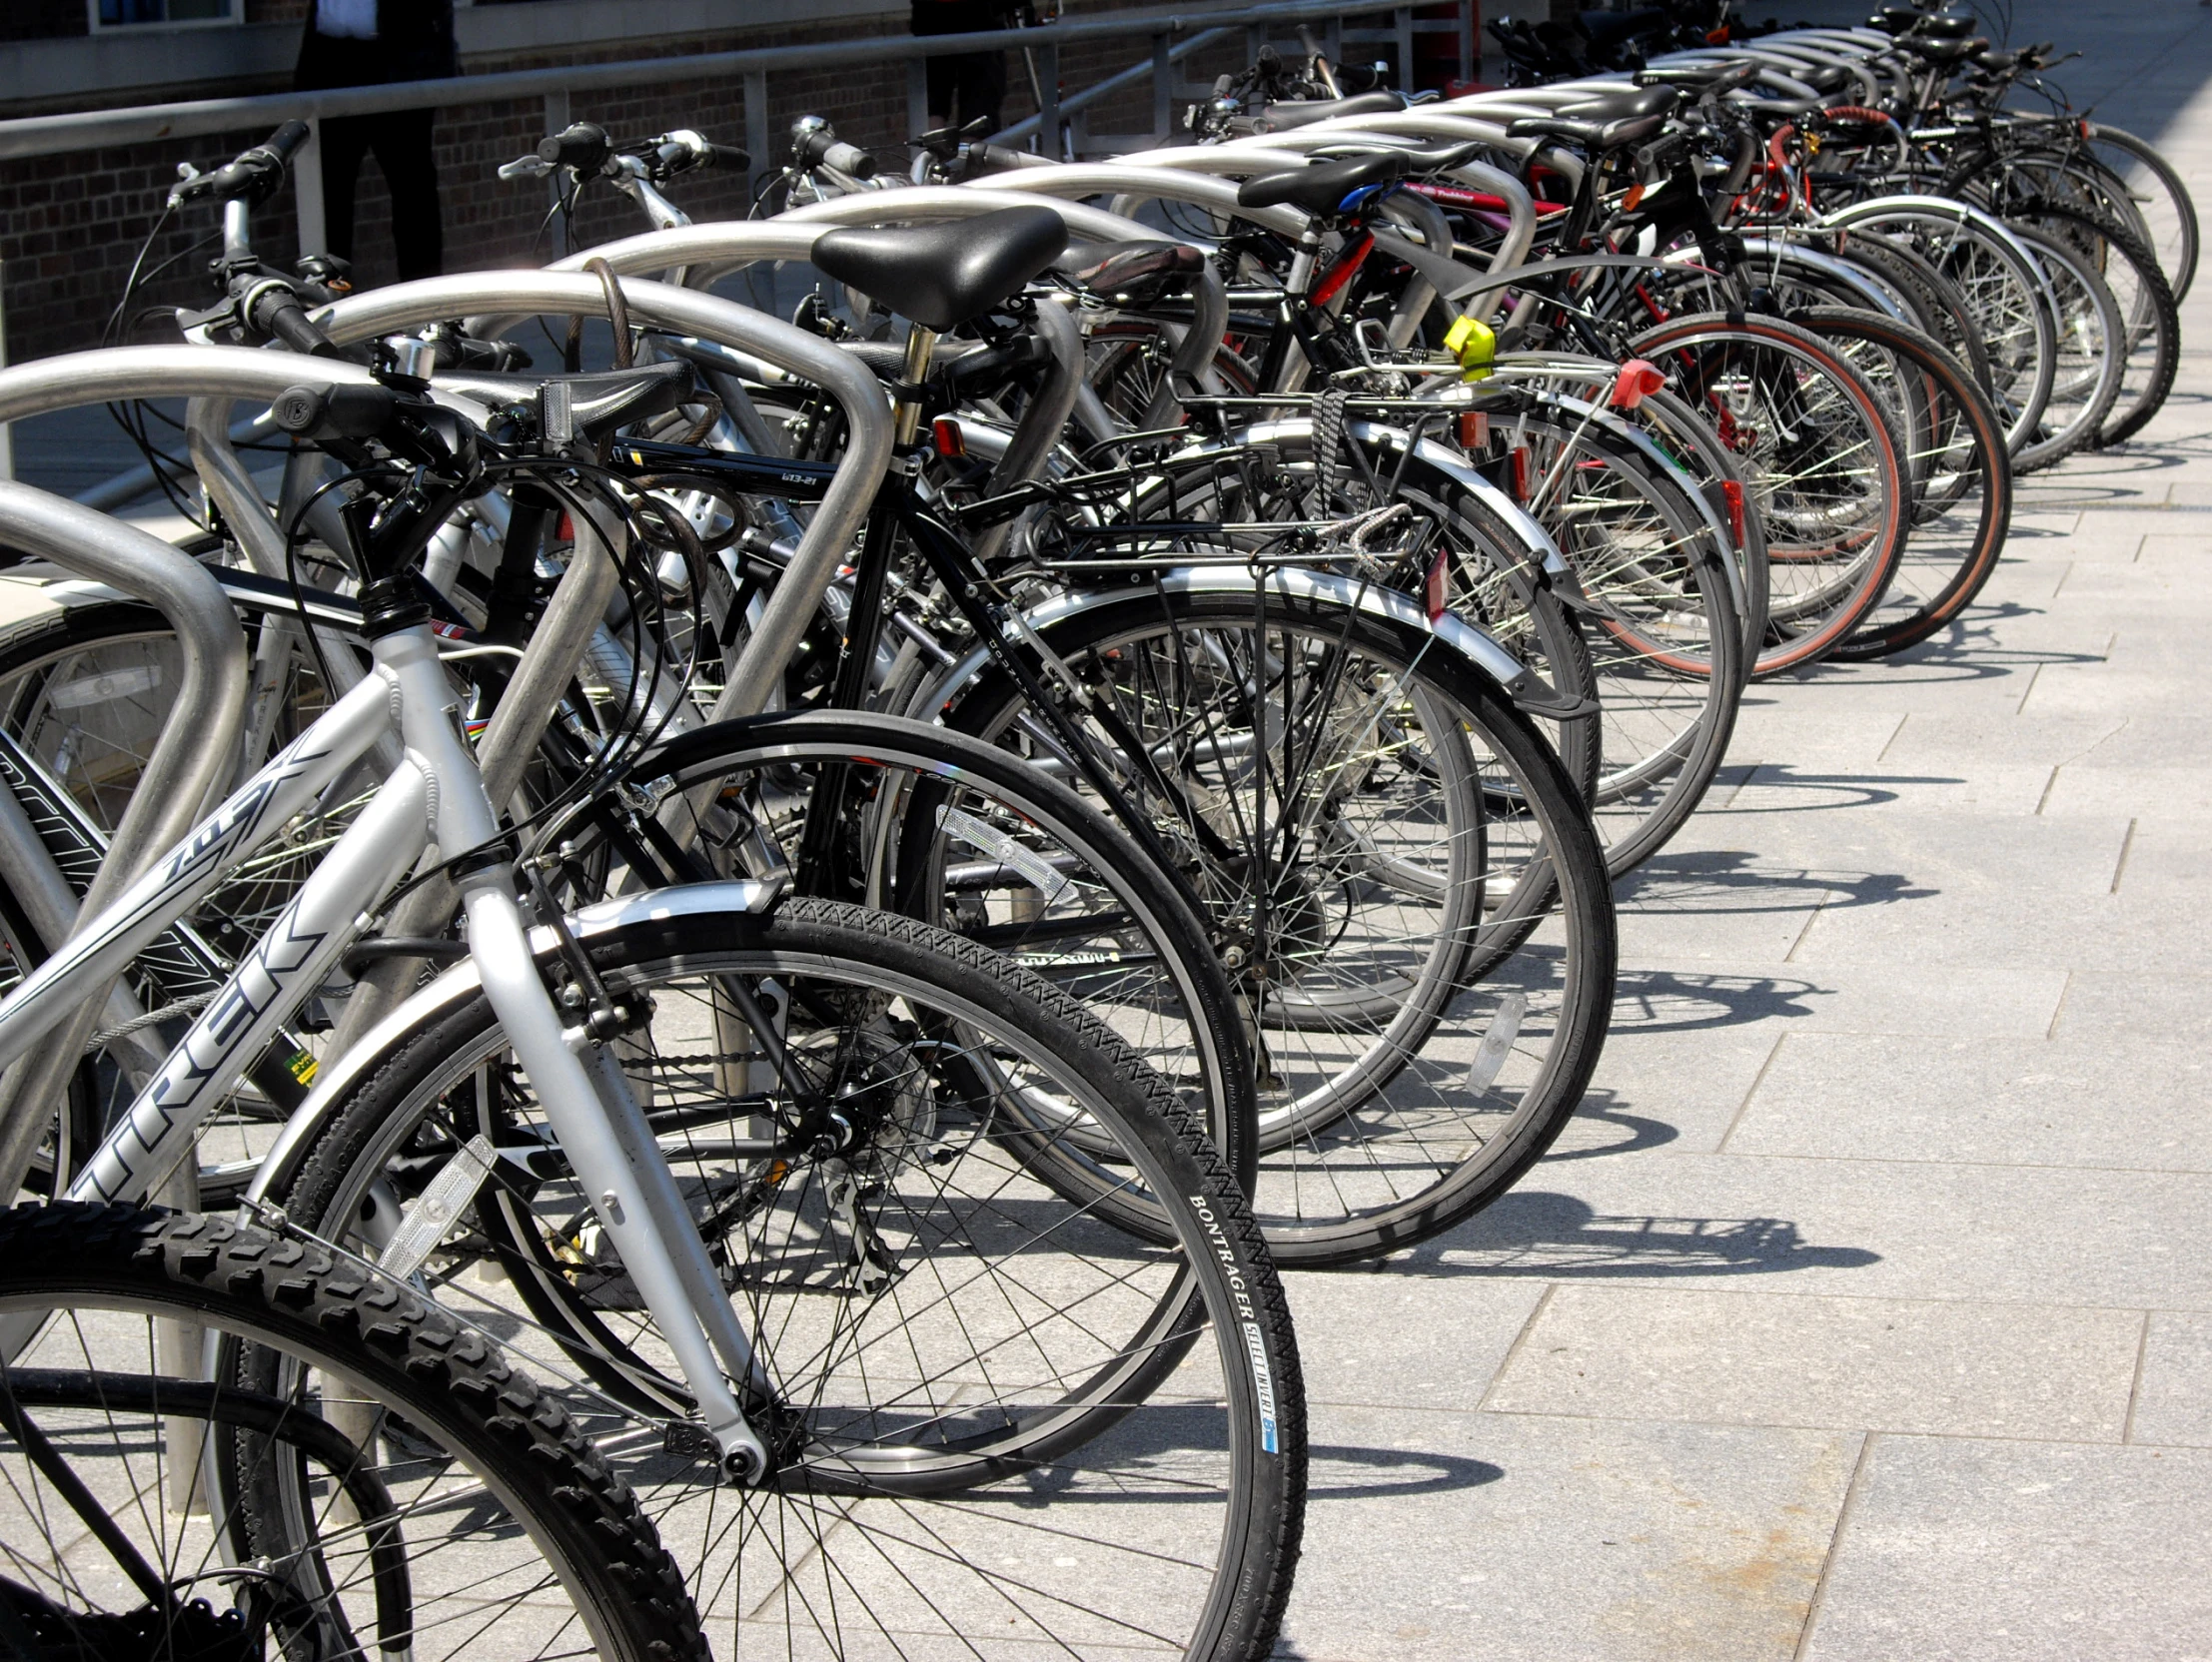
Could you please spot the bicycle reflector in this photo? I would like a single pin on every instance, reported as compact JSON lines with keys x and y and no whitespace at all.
{"x":1472,"y":343}
{"x":1638,"y":380}
{"x":951,"y":443}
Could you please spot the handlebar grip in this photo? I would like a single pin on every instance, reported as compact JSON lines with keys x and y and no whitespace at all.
{"x":276,"y":311}
{"x":993,"y":157}
{"x":849,"y":158}
{"x":291,"y":325}
{"x":580,"y":145}
{"x":727,"y":156}
{"x":285,"y":139}
{"x":335,"y":412}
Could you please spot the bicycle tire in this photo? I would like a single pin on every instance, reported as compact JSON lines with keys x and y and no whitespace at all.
{"x":1323,"y":1114}
{"x":2181,"y":272}
{"x":2092,"y":357}
{"x":1932,"y":590}
{"x":914,"y":1437}
{"x":2148,"y":308}
{"x":457,"y":1394}
{"x":1803,"y":623}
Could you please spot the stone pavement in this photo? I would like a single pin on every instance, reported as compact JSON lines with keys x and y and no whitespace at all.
{"x":1864,"y":1314}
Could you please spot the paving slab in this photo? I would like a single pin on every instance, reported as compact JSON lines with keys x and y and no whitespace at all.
{"x":1992,"y":1551}
{"x":2173,"y":1396}
{"x":1562,"y":1540}
{"x":2068,"y":1102}
{"x":1773,"y":1358}
{"x":2119,"y":1238}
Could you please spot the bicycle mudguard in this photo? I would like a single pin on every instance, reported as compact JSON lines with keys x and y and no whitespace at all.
{"x":1528,"y":690}
{"x":1544,"y":552}
{"x":461,"y":983}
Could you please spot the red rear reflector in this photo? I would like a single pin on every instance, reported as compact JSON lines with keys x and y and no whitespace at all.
{"x":1733,"y":493}
{"x":1474,"y":429}
{"x":950,"y":440}
{"x":1521,"y":473}
{"x":1638,"y":379}
{"x":1440,"y":584}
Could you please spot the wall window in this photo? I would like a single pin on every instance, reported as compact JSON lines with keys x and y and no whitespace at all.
{"x":137,"y":14}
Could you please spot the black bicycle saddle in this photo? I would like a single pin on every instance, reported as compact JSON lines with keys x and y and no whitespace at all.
{"x":1322,"y":188}
{"x":941,"y":276}
{"x":1608,"y":122}
{"x":1131,"y":273}
{"x":1698,"y":80}
{"x":1303,"y":112}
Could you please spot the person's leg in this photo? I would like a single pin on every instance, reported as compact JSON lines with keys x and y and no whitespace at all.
{"x":944,"y":81}
{"x":345,"y":142}
{"x":404,"y":150}
{"x":983,"y":86}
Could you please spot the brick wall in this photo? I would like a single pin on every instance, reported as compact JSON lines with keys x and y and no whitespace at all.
{"x":71,"y":225}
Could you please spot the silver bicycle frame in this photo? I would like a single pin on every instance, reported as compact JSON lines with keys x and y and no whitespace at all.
{"x":435,"y":796}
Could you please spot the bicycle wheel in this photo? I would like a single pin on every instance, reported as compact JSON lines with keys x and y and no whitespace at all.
{"x":2146,"y":308}
{"x":411,"y":1494}
{"x":1665,"y":637}
{"x":2162,"y":202}
{"x":1822,"y":463}
{"x":2091,"y":357}
{"x":1961,"y":478}
{"x":951,"y":1342}
{"x":1412,"y":889}
{"x":938,"y":826}
{"x":1996,"y":277}
{"x":1938,"y":308}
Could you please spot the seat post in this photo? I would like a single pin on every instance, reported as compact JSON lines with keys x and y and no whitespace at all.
{"x":921,"y":344}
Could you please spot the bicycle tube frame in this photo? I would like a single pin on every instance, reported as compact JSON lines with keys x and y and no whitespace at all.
{"x":436,"y":791}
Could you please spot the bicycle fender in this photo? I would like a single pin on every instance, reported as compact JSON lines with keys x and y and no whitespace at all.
{"x":461,"y":983}
{"x":1544,"y":552}
{"x":1530,"y":692}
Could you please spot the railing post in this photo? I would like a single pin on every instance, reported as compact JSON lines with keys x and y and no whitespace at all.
{"x":1163,"y":89}
{"x":306,"y":192}
{"x":556,"y":118}
{"x":1332,"y":41}
{"x":756,"y":124}
{"x":1048,"y":97}
{"x":1468,"y":54}
{"x":917,"y":98}
{"x":7,"y":428}
{"x":1255,"y":37}
{"x":1401,"y":23}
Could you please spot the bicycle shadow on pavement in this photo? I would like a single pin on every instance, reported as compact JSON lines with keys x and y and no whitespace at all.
{"x":1554,"y":1236}
{"x":1337,"y":1471}
{"x":1600,"y":1107}
{"x":1735,"y":880}
{"x":1670,"y":1001}
{"x":1811,"y":791}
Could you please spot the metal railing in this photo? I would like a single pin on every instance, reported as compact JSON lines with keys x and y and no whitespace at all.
{"x":59,"y":134}
{"x":1064,"y":119}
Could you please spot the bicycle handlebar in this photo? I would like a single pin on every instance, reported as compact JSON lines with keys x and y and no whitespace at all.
{"x":253,"y":175}
{"x":275,"y":309}
{"x":821,"y":146}
{"x":343,"y":412}
{"x":580,"y":144}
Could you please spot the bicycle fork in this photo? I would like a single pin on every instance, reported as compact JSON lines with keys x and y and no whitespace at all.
{"x":437,"y":791}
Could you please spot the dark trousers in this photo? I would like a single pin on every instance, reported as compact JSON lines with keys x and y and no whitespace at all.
{"x":976,"y":81}
{"x":401,"y":142}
